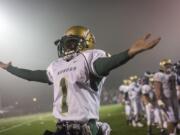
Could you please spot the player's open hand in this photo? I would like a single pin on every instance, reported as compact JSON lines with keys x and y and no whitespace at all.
{"x":4,"y":65}
{"x":143,"y":44}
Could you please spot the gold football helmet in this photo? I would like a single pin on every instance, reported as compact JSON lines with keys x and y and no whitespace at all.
{"x":164,"y":62}
{"x":129,"y":82}
{"x":125,"y":82}
{"x":75,"y":39}
{"x":82,"y":32}
{"x":133,"y":78}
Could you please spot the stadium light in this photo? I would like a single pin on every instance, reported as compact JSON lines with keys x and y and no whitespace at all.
{"x":34,"y":99}
{"x":4,"y":23}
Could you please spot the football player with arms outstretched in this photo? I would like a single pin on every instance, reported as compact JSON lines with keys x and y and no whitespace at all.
{"x":166,"y":94}
{"x":78,"y":76}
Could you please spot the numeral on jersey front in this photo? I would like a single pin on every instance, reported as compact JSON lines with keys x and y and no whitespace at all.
{"x":63,"y":85}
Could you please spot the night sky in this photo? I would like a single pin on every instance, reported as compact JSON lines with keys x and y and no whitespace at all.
{"x":28,"y":29}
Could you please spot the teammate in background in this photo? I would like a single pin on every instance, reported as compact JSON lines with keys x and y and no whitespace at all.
{"x":127,"y":105}
{"x":148,"y":97}
{"x":78,"y":76}
{"x":159,"y":119}
{"x":166,"y":94}
{"x":177,"y":72}
{"x":134,"y":92}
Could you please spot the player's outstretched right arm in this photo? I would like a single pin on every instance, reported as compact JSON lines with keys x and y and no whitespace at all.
{"x":4,"y":66}
{"x":30,"y":75}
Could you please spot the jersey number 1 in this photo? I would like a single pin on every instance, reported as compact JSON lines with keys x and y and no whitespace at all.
{"x":63,"y":85}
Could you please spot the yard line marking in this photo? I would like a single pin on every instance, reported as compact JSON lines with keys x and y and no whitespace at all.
{"x":18,"y":125}
{"x":15,"y":126}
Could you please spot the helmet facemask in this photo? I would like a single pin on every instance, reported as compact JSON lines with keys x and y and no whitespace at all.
{"x":68,"y":46}
{"x":168,"y":68}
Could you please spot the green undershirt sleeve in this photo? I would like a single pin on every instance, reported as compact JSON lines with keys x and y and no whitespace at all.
{"x":30,"y":75}
{"x":104,"y":65}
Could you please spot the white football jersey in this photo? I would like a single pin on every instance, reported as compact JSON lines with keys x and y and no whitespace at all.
{"x":123,"y":88}
{"x":124,"y":91}
{"x":168,"y":83}
{"x":134,"y":91}
{"x":147,"y":90}
{"x":76,"y":92}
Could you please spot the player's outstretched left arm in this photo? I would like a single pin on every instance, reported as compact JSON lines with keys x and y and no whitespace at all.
{"x":143,"y":44}
{"x":103,"y":66}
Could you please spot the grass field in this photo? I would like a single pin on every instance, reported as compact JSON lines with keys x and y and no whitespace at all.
{"x":36,"y":124}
